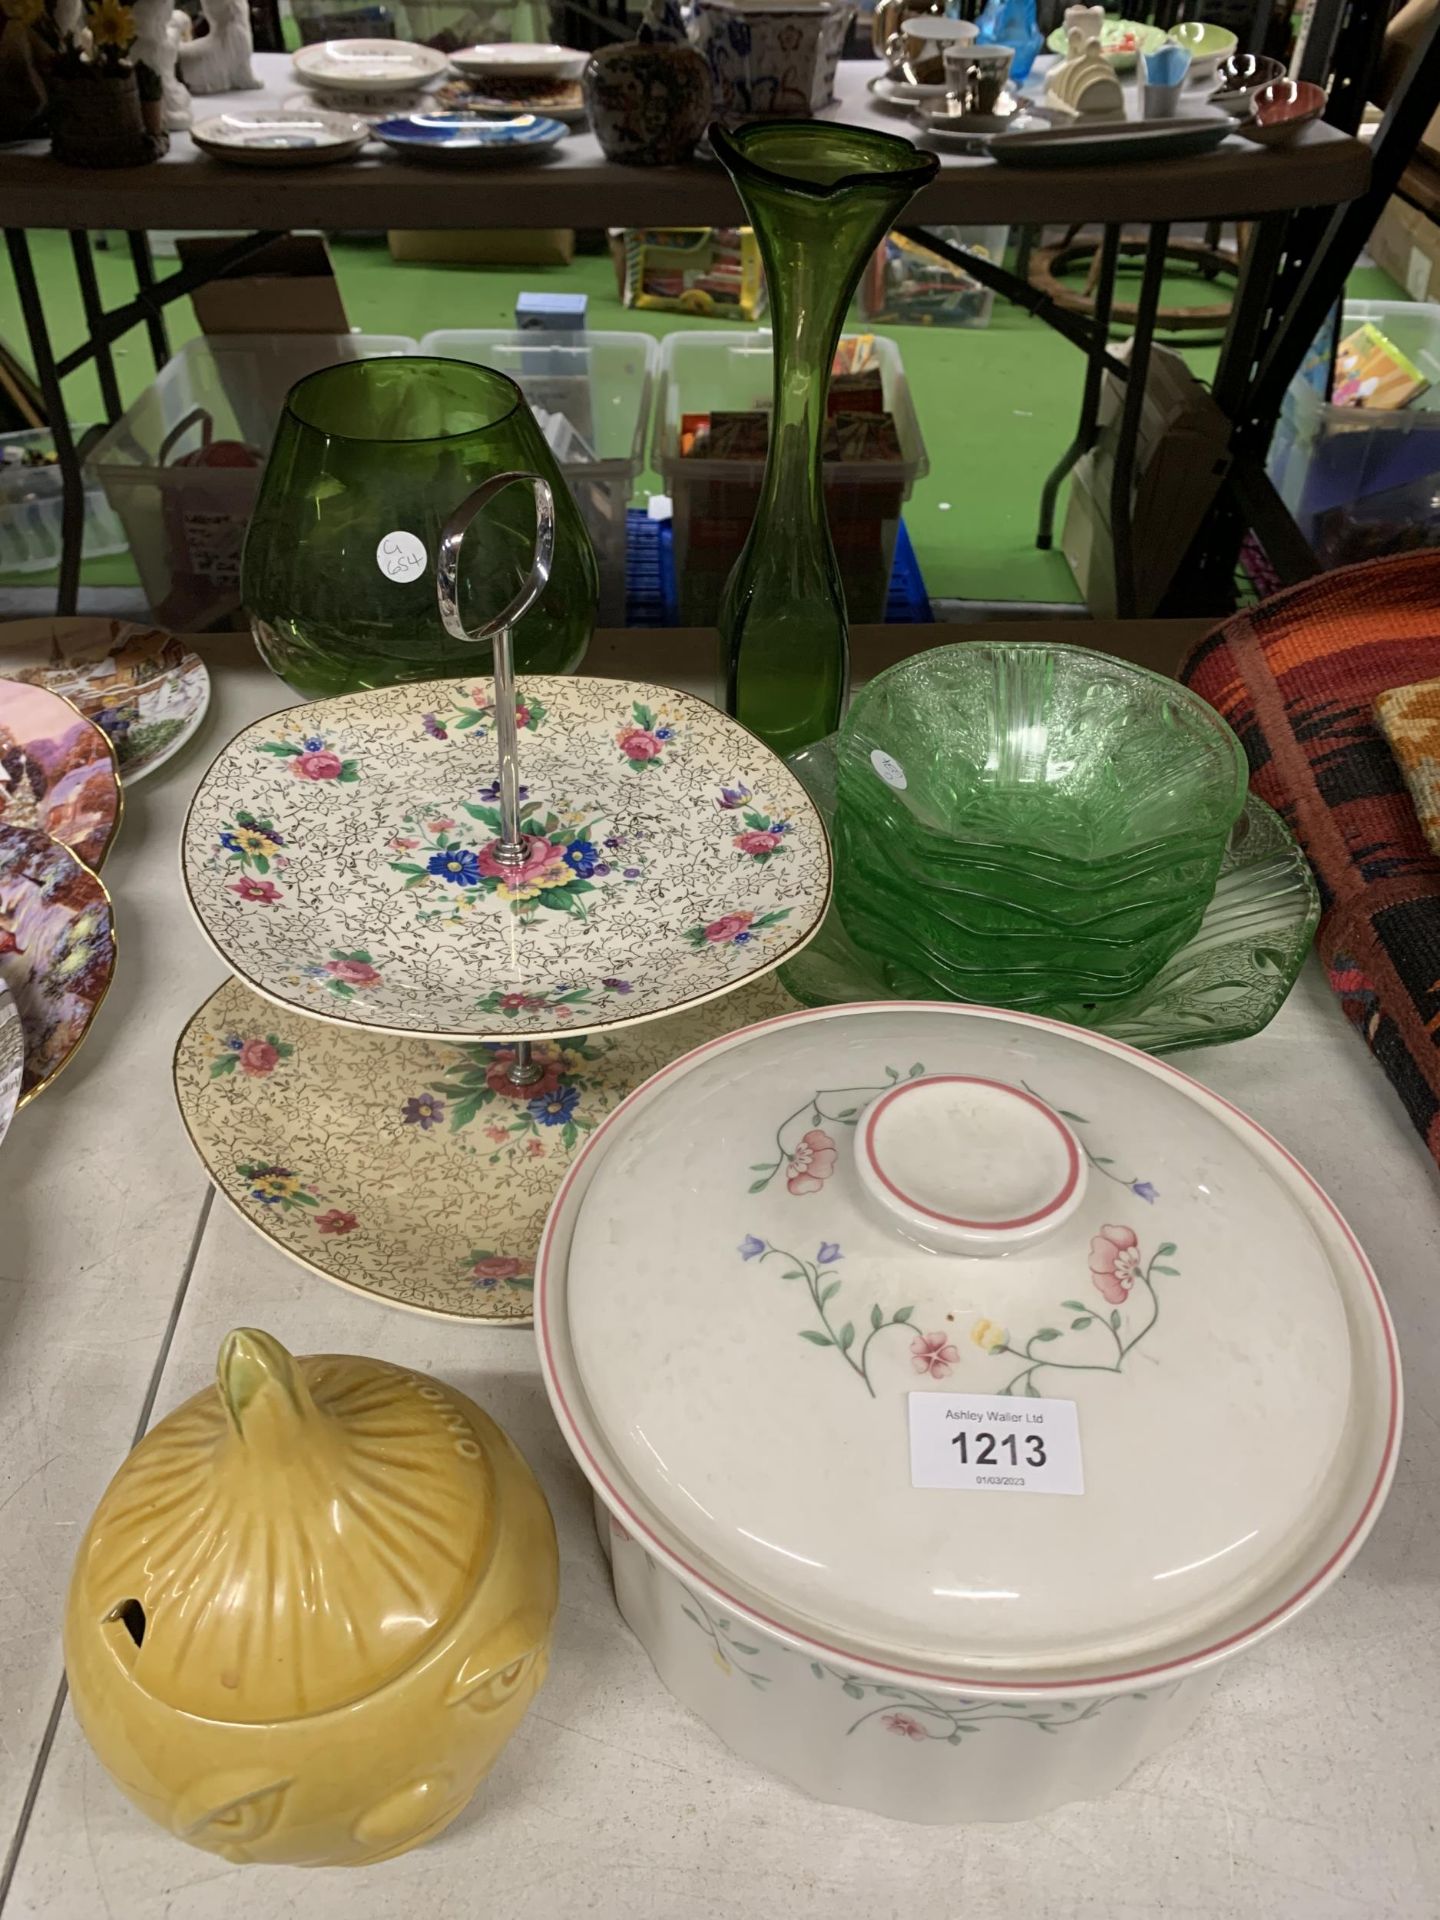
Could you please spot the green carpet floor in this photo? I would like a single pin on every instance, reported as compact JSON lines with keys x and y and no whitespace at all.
{"x":996,"y":405}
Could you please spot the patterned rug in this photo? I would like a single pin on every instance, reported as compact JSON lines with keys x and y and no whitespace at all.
{"x":1298,"y":677}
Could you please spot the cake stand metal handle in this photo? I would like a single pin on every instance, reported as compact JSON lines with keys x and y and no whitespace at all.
{"x":511,"y":850}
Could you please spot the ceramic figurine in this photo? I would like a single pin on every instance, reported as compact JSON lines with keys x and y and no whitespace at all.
{"x":1089,"y":20}
{"x":219,"y":62}
{"x":649,"y":100}
{"x":1085,"y":84}
{"x":157,"y":44}
{"x":311,"y":1608}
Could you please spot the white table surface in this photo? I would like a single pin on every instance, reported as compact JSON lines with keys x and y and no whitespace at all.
{"x":573,"y":185}
{"x":1308,"y":1790}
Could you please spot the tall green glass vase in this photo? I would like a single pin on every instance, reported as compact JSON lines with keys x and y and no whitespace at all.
{"x":370,"y":459}
{"x":820,"y":198}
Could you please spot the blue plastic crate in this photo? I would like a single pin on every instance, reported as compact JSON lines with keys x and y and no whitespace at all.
{"x":651,"y":599}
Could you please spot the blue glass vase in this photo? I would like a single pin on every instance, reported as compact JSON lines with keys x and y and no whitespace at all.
{"x":1012,"y":23}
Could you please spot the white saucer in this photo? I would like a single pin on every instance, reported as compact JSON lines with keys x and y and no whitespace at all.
{"x":901,"y":96}
{"x":368,"y":66}
{"x":281,"y":136}
{"x":532,"y":59}
{"x":964,"y":129}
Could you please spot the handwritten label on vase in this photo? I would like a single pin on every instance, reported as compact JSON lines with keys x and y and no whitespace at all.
{"x":400,"y":556}
{"x":990,"y":1443}
{"x":888,"y":768}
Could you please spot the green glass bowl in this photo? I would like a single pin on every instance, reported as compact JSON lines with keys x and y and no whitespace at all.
{"x":1227,"y":981}
{"x":370,"y":459}
{"x":1030,"y":807}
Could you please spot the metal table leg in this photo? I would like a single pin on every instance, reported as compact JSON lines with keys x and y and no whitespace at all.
{"x":145,"y":281}
{"x":1085,"y":431}
{"x":1121,"y":506}
{"x":72,"y":496}
{"x":94,"y":319}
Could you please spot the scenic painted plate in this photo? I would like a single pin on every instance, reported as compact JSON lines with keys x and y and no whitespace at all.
{"x":1226,"y":983}
{"x":57,"y":948}
{"x":140,"y":685}
{"x":341,"y":858}
{"x":404,"y":1169}
{"x":12,"y":1057}
{"x":58,"y":771}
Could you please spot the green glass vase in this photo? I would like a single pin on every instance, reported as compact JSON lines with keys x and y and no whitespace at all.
{"x":820,"y":198}
{"x":370,"y":459}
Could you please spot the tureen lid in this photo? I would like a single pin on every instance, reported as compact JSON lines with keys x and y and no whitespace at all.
{"x":735,"y":1318}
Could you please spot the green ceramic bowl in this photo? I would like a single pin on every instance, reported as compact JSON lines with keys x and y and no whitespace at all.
{"x":1206,"y":44}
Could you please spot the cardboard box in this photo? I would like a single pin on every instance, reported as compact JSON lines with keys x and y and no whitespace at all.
{"x":494,"y":247}
{"x":1406,"y":243}
{"x":288,"y":287}
{"x":1180,"y":459}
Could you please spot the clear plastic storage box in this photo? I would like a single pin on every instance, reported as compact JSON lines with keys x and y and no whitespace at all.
{"x":715,"y":500}
{"x":1363,"y":483}
{"x":32,"y":510}
{"x":182,"y":466}
{"x":901,"y":288}
{"x":596,"y":389}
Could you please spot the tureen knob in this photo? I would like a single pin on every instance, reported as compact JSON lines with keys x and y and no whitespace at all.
{"x":967,"y":1165}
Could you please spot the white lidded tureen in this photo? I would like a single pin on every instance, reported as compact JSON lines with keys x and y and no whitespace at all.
{"x":959,"y":1390}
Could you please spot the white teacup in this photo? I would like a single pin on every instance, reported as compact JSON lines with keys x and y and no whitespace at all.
{"x":975,"y":77}
{"x":916,"y":51}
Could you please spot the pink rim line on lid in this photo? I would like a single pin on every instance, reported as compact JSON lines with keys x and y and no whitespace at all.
{"x":1072,"y":1153}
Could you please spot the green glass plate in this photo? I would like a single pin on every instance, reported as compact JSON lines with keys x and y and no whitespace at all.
{"x":1122,"y":59}
{"x":1226,"y":983}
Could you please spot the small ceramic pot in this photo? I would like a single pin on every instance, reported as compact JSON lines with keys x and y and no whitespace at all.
{"x":312,"y":1606}
{"x":97,"y":120}
{"x":765,"y":62}
{"x":649,"y":102}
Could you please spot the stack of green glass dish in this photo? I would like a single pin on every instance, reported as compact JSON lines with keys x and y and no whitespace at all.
{"x":1029,"y":825}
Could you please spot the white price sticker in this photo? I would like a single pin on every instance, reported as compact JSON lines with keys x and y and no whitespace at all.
{"x":991,"y":1443}
{"x":888,"y":768}
{"x":401,"y":556}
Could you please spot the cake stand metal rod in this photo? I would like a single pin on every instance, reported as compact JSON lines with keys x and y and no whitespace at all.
{"x":510,"y":849}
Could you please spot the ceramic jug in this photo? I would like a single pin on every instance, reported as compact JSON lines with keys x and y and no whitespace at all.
{"x":310,"y":1609}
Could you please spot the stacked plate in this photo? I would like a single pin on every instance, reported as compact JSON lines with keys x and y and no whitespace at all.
{"x":518,"y":77}
{"x":1030,"y":825}
{"x":365,"y":77}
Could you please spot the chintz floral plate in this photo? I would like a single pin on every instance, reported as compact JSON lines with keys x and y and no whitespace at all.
{"x":341,"y":856}
{"x":57,"y":949}
{"x":58,"y":771}
{"x":406,"y":1169}
{"x":141,"y":686}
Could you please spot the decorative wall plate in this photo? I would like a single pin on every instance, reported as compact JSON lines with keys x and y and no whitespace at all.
{"x":368,"y":66}
{"x":1226,"y":983}
{"x":12,"y":1057}
{"x":281,"y":136}
{"x":141,"y":686}
{"x":406,"y":1169}
{"x":58,"y":771}
{"x":341,"y":858}
{"x":57,"y":948}
{"x":464,"y":139}
{"x":552,"y":98}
